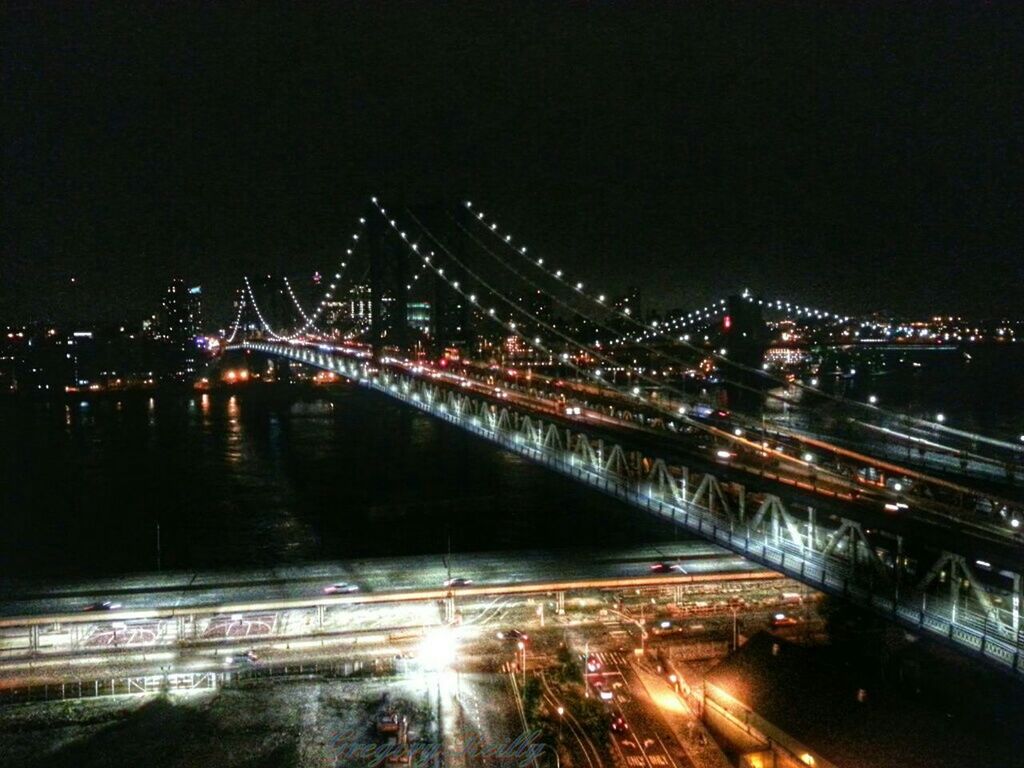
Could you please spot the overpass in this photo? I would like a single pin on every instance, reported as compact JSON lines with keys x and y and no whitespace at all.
{"x":166,"y":612}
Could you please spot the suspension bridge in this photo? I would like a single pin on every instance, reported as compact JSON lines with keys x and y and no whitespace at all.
{"x":907,"y":517}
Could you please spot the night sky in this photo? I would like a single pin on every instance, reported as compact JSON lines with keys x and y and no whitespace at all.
{"x":854,"y":158}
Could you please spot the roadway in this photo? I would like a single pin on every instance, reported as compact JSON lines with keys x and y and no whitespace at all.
{"x":377,"y":579}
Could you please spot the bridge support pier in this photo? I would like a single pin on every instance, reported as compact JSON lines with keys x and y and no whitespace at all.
{"x":321,"y":613}
{"x":560,"y":602}
{"x":33,"y":638}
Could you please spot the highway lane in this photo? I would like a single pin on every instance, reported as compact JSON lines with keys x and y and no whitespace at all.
{"x":382,"y":575}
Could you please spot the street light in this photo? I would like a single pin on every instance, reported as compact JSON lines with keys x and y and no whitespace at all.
{"x":940,"y":417}
{"x":522,"y":647}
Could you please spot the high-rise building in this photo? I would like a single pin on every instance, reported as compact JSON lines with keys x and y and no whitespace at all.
{"x":181,"y":313}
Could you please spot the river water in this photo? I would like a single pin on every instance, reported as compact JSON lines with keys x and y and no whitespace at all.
{"x":261,"y":478}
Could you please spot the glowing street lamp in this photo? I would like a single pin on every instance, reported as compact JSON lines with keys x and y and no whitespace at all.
{"x":522,"y":647}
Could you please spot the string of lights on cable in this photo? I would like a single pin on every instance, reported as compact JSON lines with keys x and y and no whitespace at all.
{"x":578,"y":287}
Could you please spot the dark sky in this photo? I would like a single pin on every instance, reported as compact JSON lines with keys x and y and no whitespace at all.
{"x":851,"y":156}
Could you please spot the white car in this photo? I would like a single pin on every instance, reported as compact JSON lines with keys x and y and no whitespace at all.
{"x":341,"y":588}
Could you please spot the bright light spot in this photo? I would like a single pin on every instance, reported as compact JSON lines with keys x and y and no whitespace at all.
{"x":723,"y":454}
{"x":668,"y":701}
{"x":940,"y":417}
{"x":808,"y":457}
{"x":873,"y":399}
{"x":437,"y":650}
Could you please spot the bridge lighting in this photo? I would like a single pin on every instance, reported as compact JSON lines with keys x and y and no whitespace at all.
{"x":601,"y":299}
{"x":455,"y":284}
{"x":579,"y":286}
{"x":523,"y":250}
{"x":808,"y":457}
{"x":372,"y":200}
{"x":490,"y":311}
{"x":738,"y":432}
{"x":558,"y":273}
{"x":814,"y":382}
{"x":940,"y":417}
{"x":494,"y":227}
{"x":636,"y":390}
{"x":682,"y":410}
{"x":873,"y":399}
{"x":628,"y":311}
{"x":508,"y":238}
{"x":1015,"y":523}
{"x":469,"y":203}
{"x":536,"y":340}
{"x":472,"y":297}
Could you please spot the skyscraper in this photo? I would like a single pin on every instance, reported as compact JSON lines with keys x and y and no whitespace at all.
{"x":181,"y":313}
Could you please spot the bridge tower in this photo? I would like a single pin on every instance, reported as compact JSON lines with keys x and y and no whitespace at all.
{"x":745,"y":339}
{"x":389,"y":280}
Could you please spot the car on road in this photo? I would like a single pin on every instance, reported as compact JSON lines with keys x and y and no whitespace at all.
{"x":105,"y":605}
{"x":458,"y":581}
{"x":247,"y":659}
{"x":513,"y":634}
{"x":340,"y":588}
{"x":782,"y":620}
{"x":604,"y":692}
{"x":593,"y":664}
{"x":619,"y":724}
{"x":667,"y":568}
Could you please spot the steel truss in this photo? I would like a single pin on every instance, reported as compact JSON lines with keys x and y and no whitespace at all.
{"x":840,"y":562}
